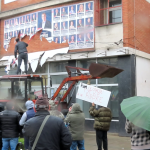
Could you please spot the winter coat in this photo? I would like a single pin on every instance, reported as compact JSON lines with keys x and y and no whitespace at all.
{"x":54,"y":136}
{"x":76,"y":120}
{"x":28,"y":114}
{"x":9,"y":124}
{"x":102,"y":118}
{"x":140,"y":137}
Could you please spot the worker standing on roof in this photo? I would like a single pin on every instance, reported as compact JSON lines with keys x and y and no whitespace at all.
{"x":20,"y":47}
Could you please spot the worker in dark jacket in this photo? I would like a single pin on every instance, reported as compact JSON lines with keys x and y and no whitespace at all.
{"x":26,"y":116}
{"x":9,"y":125}
{"x":20,"y":47}
{"x":76,"y":120}
{"x":101,"y":125}
{"x":54,"y":136}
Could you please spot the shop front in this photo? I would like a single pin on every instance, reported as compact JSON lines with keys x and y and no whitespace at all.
{"x":121,"y":86}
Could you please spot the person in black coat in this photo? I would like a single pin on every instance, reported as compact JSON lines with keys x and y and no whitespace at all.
{"x":1,"y":109}
{"x":54,"y":136}
{"x":20,"y":47}
{"x":9,"y":126}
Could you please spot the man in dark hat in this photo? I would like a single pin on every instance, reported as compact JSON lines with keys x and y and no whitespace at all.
{"x":54,"y":134}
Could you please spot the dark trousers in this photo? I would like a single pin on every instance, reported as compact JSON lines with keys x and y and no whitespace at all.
{"x":23,"y":56}
{"x":101,"y":136}
{"x":26,"y":142}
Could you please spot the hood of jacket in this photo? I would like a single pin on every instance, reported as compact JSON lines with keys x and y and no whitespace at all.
{"x":75,"y":108}
{"x":29,"y":104}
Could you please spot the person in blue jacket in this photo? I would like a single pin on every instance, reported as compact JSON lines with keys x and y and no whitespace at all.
{"x":26,"y":116}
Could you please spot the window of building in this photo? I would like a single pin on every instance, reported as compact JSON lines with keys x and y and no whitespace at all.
{"x":85,"y":63}
{"x":5,"y":89}
{"x":110,"y":12}
{"x":57,"y":72}
{"x":58,"y":66}
{"x":113,"y":103}
{"x":111,"y":62}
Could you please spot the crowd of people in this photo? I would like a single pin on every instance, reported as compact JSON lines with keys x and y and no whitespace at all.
{"x":61,"y":131}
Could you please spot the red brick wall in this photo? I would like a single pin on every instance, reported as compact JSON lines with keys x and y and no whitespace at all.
{"x":34,"y":45}
{"x":18,"y":4}
{"x":142,"y":24}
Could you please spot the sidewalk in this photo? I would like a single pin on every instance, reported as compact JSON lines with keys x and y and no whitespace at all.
{"x":115,"y":142}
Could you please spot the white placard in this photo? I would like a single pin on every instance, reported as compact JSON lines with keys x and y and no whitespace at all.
{"x":8,"y":1}
{"x":92,"y":94}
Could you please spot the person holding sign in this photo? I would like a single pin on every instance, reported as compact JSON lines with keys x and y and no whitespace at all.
{"x":103,"y":118}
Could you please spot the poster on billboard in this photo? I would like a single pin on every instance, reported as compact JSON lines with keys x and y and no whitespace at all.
{"x":73,"y":24}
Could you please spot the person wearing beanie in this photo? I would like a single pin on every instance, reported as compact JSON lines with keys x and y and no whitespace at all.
{"x":26,"y":116}
{"x":54,"y":134}
{"x":76,"y":120}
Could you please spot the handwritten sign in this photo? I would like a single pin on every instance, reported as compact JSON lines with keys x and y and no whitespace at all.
{"x":92,"y":94}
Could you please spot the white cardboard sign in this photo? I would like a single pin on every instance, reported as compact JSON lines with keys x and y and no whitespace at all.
{"x":92,"y":94}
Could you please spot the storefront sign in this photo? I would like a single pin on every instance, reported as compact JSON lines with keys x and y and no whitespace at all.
{"x":93,"y":95}
{"x":73,"y":23}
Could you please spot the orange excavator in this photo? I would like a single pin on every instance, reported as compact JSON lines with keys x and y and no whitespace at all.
{"x":20,"y":88}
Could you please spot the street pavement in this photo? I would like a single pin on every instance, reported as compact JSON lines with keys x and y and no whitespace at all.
{"x":115,"y":142}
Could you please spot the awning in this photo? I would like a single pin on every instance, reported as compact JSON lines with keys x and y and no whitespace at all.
{"x":33,"y":58}
{"x":52,"y":53}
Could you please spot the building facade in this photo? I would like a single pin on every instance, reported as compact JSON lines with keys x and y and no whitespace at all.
{"x":111,"y":32}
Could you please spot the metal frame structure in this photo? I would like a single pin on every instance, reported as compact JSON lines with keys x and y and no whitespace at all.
{"x":14,"y":78}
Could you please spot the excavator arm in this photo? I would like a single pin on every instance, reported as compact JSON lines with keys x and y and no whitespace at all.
{"x":96,"y":71}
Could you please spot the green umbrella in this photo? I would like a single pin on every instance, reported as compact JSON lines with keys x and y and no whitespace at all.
{"x":137,"y":110}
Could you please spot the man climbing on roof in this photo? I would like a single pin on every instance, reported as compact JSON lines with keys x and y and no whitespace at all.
{"x":20,"y":47}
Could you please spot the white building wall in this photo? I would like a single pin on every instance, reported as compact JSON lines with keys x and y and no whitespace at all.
{"x":105,"y":36}
{"x":143,"y":76}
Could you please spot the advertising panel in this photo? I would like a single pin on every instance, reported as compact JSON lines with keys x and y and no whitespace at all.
{"x":72,"y":23}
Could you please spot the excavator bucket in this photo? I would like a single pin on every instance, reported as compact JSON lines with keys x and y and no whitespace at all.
{"x":103,"y":71}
